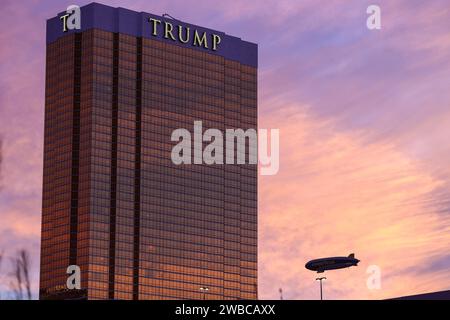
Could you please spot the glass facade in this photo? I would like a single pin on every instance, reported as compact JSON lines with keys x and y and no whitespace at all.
{"x":139,"y":226}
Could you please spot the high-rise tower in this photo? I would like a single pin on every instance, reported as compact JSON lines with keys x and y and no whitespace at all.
{"x":114,"y":204}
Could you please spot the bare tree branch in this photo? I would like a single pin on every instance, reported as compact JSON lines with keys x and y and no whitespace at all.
{"x":24,"y":258}
{"x":21,"y":275}
{"x":16,"y":284}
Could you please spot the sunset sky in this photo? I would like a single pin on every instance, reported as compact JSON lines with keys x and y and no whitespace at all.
{"x":364,"y":119}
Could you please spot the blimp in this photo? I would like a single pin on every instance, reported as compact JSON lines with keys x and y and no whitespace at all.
{"x":323,"y":264}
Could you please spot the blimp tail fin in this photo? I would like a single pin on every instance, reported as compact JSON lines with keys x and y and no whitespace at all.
{"x":351,"y":255}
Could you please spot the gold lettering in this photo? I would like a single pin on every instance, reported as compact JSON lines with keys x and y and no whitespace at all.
{"x":199,"y":41}
{"x":155,"y":22}
{"x":64,"y":19}
{"x":180,"y":34}
{"x":168,"y":27}
{"x":216,"y":41}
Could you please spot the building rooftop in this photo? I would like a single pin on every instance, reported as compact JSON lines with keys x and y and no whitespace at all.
{"x":440,"y":295}
{"x":138,"y":24}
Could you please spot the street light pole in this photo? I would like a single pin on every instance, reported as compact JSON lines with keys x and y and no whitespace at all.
{"x":204,"y":290}
{"x":320,"y":279}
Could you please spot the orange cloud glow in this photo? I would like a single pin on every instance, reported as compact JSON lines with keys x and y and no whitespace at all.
{"x":336,"y":194}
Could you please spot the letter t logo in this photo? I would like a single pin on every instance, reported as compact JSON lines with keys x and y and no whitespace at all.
{"x":72,"y":19}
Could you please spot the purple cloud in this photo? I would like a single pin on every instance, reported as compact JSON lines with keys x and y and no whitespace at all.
{"x":380,"y":96}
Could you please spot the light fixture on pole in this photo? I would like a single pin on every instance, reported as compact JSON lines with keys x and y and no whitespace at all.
{"x":204,"y":290}
{"x":320,"y":279}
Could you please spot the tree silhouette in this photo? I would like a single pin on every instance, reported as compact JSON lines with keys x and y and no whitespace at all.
{"x":20,"y":283}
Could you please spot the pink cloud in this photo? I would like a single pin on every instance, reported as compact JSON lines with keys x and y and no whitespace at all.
{"x":336,"y":194}
{"x":340,"y":188}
